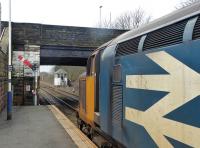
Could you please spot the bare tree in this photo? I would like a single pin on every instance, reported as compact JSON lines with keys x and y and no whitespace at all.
{"x":128,"y":20}
{"x":139,"y":17}
{"x":106,"y":24}
{"x":186,"y":3}
{"x":123,"y":21}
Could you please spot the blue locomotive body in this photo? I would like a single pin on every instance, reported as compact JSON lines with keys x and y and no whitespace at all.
{"x":150,"y":86}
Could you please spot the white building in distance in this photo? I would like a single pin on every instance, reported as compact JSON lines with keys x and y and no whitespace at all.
{"x":60,"y":78}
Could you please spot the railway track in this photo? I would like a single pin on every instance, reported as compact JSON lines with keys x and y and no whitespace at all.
{"x":59,"y":90}
{"x":64,"y":93}
{"x":67,"y":101}
{"x":67,"y":105}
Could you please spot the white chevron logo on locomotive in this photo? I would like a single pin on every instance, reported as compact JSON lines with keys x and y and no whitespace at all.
{"x":183,"y":85}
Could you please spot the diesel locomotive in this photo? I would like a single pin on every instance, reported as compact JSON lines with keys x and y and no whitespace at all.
{"x":142,"y":89}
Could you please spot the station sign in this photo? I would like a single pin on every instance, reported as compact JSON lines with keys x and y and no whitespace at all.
{"x":10,"y":68}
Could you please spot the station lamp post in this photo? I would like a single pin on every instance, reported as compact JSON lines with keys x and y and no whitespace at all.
{"x":35,"y":70}
{"x":9,"y":95}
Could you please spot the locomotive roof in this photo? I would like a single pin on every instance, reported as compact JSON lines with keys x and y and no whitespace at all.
{"x":166,"y":20}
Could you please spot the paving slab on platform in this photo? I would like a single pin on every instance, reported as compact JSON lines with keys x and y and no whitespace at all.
{"x":33,"y":127}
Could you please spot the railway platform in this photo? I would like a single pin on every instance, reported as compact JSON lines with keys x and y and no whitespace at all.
{"x":39,"y":127}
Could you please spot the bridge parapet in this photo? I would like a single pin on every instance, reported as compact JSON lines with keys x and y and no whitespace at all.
{"x":40,"y":34}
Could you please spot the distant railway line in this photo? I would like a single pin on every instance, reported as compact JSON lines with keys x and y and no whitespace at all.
{"x":60,"y":90}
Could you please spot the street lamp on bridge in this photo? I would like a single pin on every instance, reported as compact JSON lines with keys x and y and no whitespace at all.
{"x":100,"y":16}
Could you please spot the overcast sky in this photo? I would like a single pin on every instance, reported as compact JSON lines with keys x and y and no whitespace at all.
{"x":80,"y":12}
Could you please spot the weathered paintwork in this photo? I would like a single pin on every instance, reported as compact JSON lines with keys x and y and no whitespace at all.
{"x":87,"y":113}
{"x":161,"y":101}
{"x":90,"y":98}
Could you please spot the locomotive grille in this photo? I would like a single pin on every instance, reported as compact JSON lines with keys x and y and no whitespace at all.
{"x":196,"y":31}
{"x":128,"y":47}
{"x":116,"y":103}
{"x":166,"y":36}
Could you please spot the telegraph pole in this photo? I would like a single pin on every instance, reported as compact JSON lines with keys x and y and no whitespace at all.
{"x":9,"y":95}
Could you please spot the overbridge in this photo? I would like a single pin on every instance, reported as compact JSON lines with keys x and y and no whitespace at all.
{"x":60,"y":45}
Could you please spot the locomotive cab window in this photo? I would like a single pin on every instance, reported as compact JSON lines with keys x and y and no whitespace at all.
{"x":93,"y":70}
{"x":91,"y":66}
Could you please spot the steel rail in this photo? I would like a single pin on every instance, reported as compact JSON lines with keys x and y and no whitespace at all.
{"x":60,"y":100}
{"x":57,"y":89}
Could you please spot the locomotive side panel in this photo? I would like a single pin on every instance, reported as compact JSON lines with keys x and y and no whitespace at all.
{"x":105,"y":77}
{"x":161,"y":100}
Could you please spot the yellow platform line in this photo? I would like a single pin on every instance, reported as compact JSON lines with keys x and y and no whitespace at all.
{"x":77,"y":136}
